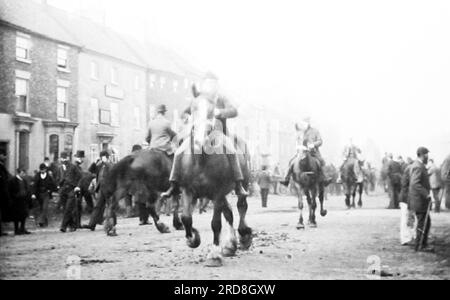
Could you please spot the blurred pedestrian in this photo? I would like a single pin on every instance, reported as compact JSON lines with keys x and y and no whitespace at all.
{"x":394,"y":175}
{"x":407,"y":217}
{"x":5,"y":199}
{"x":436,"y":184}
{"x":264,"y":181}
{"x":419,"y":197}
{"x":276,"y":178}
{"x":445,"y":176}
{"x":44,"y":186}
{"x":19,"y":190}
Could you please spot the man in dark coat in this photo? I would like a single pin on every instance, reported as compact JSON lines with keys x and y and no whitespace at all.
{"x":71,"y":188}
{"x":5,"y":199}
{"x":44,"y":186}
{"x":407,"y":234}
{"x":60,"y":175}
{"x":445,"y":175}
{"x":103,"y":168}
{"x":419,"y":197}
{"x":394,"y":175}
{"x":19,"y":190}
{"x":160,"y":133}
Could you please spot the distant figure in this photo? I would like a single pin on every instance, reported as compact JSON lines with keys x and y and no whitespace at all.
{"x":264,"y":181}
{"x":19,"y":190}
{"x":419,"y":197}
{"x":160,"y":133}
{"x":407,"y":219}
{"x":276,"y":178}
{"x":436,"y":184}
{"x":394,"y":176}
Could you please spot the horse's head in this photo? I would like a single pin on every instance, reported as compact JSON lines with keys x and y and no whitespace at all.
{"x":202,"y":110}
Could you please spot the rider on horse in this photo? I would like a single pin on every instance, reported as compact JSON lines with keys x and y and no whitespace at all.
{"x":160,"y":133}
{"x":351,"y":152}
{"x":307,"y":138}
{"x":223,"y":110}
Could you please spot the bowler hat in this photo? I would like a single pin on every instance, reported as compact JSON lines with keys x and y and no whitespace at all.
{"x":80,"y":154}
{"x":64,"y":155}
{"x":42,"y":167}
{"x":161,"y":108}
{"x":422,"y":151}
{"x":104,"y":153}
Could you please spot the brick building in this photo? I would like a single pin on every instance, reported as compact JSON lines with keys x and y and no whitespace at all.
{"x":38,"y":85}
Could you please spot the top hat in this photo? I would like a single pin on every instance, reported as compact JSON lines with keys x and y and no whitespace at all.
{"x":80,"y":154}
{"x":104,"y":153}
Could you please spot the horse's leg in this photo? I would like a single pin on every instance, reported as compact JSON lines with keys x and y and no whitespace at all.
{"x":214,"y":258}
{"x":230,"y":247}
{"x":323,"y":212}
{"x":355,"y":186}
{"x":310,"y":194}
{"x":154,"y":211}
{"x":192,"y":235}
{"x":361,"y":189}
{"x":245,"y":232}
{"x":176,"y":217}
{"x":300,"y":224}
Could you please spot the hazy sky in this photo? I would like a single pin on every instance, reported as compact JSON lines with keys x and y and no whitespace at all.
{"x":375,"y":70}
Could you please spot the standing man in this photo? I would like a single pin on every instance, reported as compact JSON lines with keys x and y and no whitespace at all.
{"x":436,"y":184}
{"x":419,"y":197}
{"x":394,"y":175}
{"x":44,"y":186}
{"x":445,"y":175}
{"x":407,"y":219}
{"x":71,"y":189}
{"x":5,"y":199}
{"x":276,"y":177}
{"x":59,"y":177}
{"x":310,"y":138}
{"x":264,"y":181}
{"x":99,"y":209}
{"x":20,"y":193}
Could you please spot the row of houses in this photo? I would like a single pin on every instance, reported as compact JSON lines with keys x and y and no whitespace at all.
{"x":68,"y":83}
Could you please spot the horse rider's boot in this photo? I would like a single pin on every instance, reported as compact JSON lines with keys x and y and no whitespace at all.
{"x":287,"y":178}
{"x":239,"y":190}
{"x":171,"y":191}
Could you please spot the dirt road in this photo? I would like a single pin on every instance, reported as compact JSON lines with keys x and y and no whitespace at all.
{"x":338,"y":249}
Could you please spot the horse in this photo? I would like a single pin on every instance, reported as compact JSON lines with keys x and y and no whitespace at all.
{"x":306,"y":180}
{"x":352,"y":183}
{"x":143,"y":175}
{"x":207,"y":173}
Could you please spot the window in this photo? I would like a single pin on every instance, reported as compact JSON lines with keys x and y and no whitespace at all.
{"x":175,"y":86}
{"x":114,"y":76}
{"x":63,"y":57}
{"x":22,"y":95}
{"x":115,"y":118}
{"x":163,"y":82}
{"x":137,"y":117}
{"x":94,"y":70}
{"x":61,"y":96}
{"x":23,"y":46}
{"x":152,"y":81}
{"x":136,"y":82}
{"x":94,"y":111}
{"x":105,"y":117}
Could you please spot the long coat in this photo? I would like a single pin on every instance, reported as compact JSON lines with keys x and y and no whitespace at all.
{"x":419,"y":187}
{"x":20,"y":192}
{"x":5,"y":199}
{"x":46,"y":185}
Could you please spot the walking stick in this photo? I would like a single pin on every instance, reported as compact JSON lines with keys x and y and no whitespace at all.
{"x":422,"y":236}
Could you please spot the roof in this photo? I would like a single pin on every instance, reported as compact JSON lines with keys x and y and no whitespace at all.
{"x":73,"y":29}
{"x":32,"y":17}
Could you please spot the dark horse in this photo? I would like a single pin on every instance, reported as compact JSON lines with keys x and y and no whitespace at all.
{"x":143,"y":175}
{"x":306,"y":178}
{"x":351,"y":171}
{"x":206,"y":173}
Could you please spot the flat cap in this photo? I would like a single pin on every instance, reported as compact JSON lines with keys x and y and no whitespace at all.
{"x":422,"y":151}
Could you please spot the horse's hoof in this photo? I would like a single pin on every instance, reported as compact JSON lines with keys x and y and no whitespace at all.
{"x":312,"y":225}
{"x":215,"y":262}
{"x":300,"y":226}
{"x":178,"y":226}
{"x":163,"y":228}
{"x":194,"y":242}
{"x":324,"y":212}
{"x":230,"y":249}
{"x":246,"y":241}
